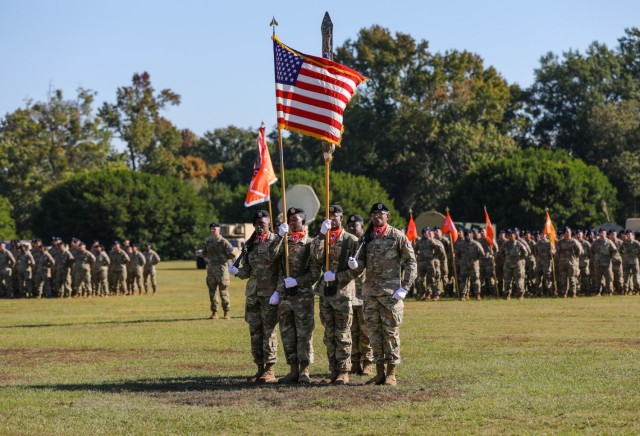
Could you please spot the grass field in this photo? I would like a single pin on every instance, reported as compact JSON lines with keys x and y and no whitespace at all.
{"x":154,"y":364}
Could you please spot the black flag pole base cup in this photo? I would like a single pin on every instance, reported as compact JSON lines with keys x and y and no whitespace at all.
{"x":330,"y":290}
{"x":291,"y":292}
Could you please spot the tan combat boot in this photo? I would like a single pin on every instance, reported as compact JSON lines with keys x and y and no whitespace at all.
{"x":330,"y":378}
{"x":367,"y":368}
{"x":257,"y":375}
{"x":378,"y":379}
{"x":342,"y":379}
{"x":390,"y":379}
{"x":292,"y":377}
{"x":214,"y":315}
{"x":304,"y":374}
{"x":269,"y":375}
{"x":226,"y":315}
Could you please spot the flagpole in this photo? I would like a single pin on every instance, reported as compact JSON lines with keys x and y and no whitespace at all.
{"x":284,"y":203}
{"x":271,"y":215}
{"x":453,"y":257}
{"x":326,"y":29}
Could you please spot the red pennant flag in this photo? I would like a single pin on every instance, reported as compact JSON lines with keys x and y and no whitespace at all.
{"x":489,"y":229}
{"x":412,"y":232}
{"x":449,"y":227}
{"x":263,"y":174}
{"x":549,"y":230}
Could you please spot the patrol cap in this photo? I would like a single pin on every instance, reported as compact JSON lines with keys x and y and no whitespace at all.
{"x":336,"y":209}
{"x":260,"y":214}
{"x":214,"y":225}
{"x":379,"y":207}
{"x":355,"y":219}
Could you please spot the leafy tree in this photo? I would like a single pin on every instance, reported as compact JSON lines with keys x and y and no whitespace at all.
{"x":47,"y":142}
{"x":151,"y":139}
{"x":517,"y":189}
{"x":423,"y":119}
{"x":106,"y":205}
{"x":7,"y":225}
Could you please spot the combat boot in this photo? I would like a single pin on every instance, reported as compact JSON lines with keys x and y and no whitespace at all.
{"x":254,"y":378}
{"x":390,"y":379}
{"x":342,"y":379}
{"x":214,"y":315}
{"x":330,"y":378}
{"x":269,"y":375}
{"x":226,"y":315}
{"x":292,"y":377}
{"x":367,"y":368}
{"x":304,"y":374}
{"x":356,"y":368}
{"x":379,"y":378}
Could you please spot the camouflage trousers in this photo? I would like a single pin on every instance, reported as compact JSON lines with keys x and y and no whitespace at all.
{"x":544,"y":280}
{"x":296,"y":320}
{"x":469,"y":277}
{"x":218,"y":284}
{"x":99,"y":281}
{"x":514,"y":279}
{"x":616,"y":266}
{"x":149,"y":275}
{"x":82,"y":282}
{"x":42,"y":284}
{"x":6,"y":284}
{"x":585,"y":280}
{"x":117,"y":281}
{"x":530,"y":272}
{"x":361,"y":350}
{"x":25,"y":283}
{"x":262,"y":319}
{"x":602,"y":275}
{"x":630,"y":278}
{"x":568,"y":274}
{"x":429,"y":278}
{"x":134,"y":280}
{"x":487,"y":276}
{"x":63,"y":282}
{"x":384,"y":315}
{"x":336,"y":317}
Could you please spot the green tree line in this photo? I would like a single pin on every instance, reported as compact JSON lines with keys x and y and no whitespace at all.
{"x":428,"y":130}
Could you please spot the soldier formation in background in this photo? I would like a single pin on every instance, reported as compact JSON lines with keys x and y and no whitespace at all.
{"x":61,"y":270}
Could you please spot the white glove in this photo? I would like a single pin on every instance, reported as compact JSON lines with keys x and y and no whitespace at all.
{"x":284,"y":228}
{"x":353,"y":263}
{"x":325,"y":227}
{"x":233,"y":270}
{"x":399,"y":294}
{"x":275,"y":299}
{"x":290,"y":282}
{"x":329,"y":276}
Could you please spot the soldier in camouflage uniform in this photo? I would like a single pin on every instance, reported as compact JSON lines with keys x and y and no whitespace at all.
{"x":630,"y":251}
{"x":15,"y":280}
{"x":100,"y":271}
{"x":616,"y":262}
{"x":544,"y":267}
{"x":64,"y":262}
{"x":361,"y":351}
{"x":118,"y":269}
{"x":84,"y":261}
{"x":295,"y":311}
{"x":487,"y":265}
{"x":499,"y":260}
{"x":446,"y":270}
{"x":515,"y":254}
{"x":218,"y":251}
{"x":336,"y":292}
{"x":530,"y":262}
{"x":7,"y":260}
{"x":585,"y":261}
{"x":260,"y":264}
{"x":44,"y":266}
{"x":26,"y":263}
{"x":602,"y":251}
{"x":430,"y":254}
{"x":391,"y":269}
{"x":152,"y":259}
{"x":569,"y":252}
{"x":137,"y":261}
{"x":469,"y":253}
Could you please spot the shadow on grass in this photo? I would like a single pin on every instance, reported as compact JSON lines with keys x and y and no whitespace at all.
{"x":130,"y":321}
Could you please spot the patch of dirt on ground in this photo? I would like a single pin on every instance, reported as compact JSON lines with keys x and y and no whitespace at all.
{"x":30,"y":357}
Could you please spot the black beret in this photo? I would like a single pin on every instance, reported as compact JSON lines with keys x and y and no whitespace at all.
{"x":116,"y":242}
{"x":510,"y":232}
{"x":134,"y":244}
{"x":502,"y":231}
{"x":426,"y":229}
{"x":436,"y":227}
{"x":213,"y":225}
{"x":335,"y":209}
{"x":296,"y":211}
{"x":611,"y":231}
{"x":260,"y":214}
{"x":466,"y":232}
{"x":379,"y":207}
{"x":355,"y":219}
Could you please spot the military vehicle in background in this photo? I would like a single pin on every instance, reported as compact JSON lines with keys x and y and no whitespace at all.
{"x":237,"y":234}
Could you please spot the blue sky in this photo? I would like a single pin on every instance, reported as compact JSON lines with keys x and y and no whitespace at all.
{"x":218,"y":55}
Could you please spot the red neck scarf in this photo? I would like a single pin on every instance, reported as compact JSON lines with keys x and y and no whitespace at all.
{"x":333,"y":235}
{"x":261,"y":238}
{"x":379,"y":230}
{"x":296,"y":236}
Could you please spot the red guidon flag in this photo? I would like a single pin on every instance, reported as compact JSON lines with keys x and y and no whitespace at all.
{"x":549,"y":230}
{"x":312,"y":93}
{"x":263,"y":174}
{"x":449,"y":227}
{"x":488,"y":229}
{"x":412,"y":232}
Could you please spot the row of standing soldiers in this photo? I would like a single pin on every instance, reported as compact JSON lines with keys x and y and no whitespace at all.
{"x":523,"y":263}
{"x":71,"y":270}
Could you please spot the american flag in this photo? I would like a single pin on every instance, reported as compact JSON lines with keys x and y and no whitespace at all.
{"x":312,"y":93}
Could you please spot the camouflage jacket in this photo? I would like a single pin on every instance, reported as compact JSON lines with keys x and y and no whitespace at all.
{"x":64,"y":260}
{"x":514,"y":253}
{"x":345,"y":277}
{"x":586,"y":253}
{"x":469,"y":253}
{"x":102,"y":261}
{"x":569,"y":251}
{"x":26,"y":262}
{"x":84,"y":260}
{"x":603,"y":251}
{"x":543,"y":252}
{"x":119,"y":260}
{"x":630,"y":251}
{"x":7,"y":260}
{"x":428,"y":249}
{"x":151,"y":259}
{"x":137,"y":261}
{"x":44,"y":264}
{"x":261,"y":265}
{"x":299,"y":255}
{"x":218,"y":252}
